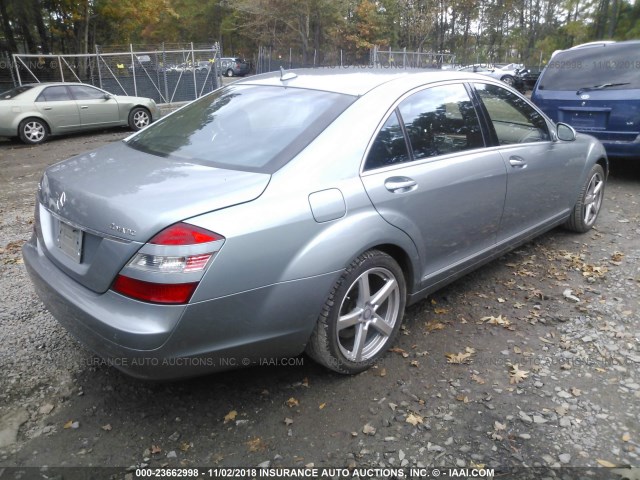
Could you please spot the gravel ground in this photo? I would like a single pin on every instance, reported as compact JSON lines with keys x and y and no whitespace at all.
{"x":531,"y":361}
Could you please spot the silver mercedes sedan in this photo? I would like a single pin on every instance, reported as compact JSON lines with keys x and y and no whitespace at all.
{"x":299,"y":211}
{"x":32,"y":112}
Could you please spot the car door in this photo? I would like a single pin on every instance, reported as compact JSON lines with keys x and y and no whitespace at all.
{"x":541,"y":172}
{"x":427,"y":172}
{"x":95,"y":109}
{"x":58,"y":109}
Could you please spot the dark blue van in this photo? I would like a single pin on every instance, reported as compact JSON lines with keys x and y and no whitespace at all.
{"x":595,"y":88}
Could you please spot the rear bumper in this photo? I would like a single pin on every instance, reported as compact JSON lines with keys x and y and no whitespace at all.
{"x":616,"y":148}
{"x":159,"y":342}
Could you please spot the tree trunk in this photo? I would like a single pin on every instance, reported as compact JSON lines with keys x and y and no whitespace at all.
{"x":6,"y":27}
{"x":40,"y":26}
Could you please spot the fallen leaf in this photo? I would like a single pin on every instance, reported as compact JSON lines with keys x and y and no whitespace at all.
{"x":576,"y":392}
{"x":415,"y":363}
{"x":434,"y":325}
{"x":499,"y":320}
{"x":568,"y":294}
{"x":292,"y":402}
{"x":255,"y":444}
{"x":414,"y":419}
{"x":605,"y":463}
{"x":305,"y":382}
{"x":321,"y":406}
{"x":478,"y":379}
{"x":462,"y":398}
{"x":69,"y":424}
{"x":626,"y":437}
{"x":499,"y":426}
{"x":517,"y":350}
{"x":155,"y":449}
{"x":185,"y":446}
{"x":392,"y":406}
{"x":231,"y":416}
{"x":400,"y":351}
{"x":288,"y":421}
{"x":516,"y":374}
{"x":457,"y":358}
{"x":106,"y":428}
{"x":501,"y":300}
{"x":441,"y":311}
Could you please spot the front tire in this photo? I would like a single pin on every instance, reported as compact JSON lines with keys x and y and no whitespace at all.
{"x":585,"y":212}
{"x":361,"y":316}
{"x":229,"y":73}
{"x":33,"y":131}
{"x":139,"y":118}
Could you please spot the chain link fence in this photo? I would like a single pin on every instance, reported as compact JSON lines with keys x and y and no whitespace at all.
{"x":167,"y":75}
{"x":270,"y":59}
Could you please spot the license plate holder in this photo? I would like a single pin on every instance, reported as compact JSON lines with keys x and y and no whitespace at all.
{"x":70,"y":241}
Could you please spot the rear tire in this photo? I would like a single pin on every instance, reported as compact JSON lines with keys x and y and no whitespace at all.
{"x":229,"y":73}
{"x":585,"y":212}
{"x":139,"y":118}
{"x":508,"y":79}
{"x":33,"y":131}
{"x":362,"y":315}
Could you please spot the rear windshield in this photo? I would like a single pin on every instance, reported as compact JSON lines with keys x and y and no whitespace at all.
{"x":588,"y":67}
{"x":243,"y":127}
{"x":14,"y":92}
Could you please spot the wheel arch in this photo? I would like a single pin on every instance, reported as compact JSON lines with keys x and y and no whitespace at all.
{"x":29,"y":116}
{"x":403,"y":260}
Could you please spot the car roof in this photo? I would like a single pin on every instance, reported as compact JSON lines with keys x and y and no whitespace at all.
{"x":354,"y":80}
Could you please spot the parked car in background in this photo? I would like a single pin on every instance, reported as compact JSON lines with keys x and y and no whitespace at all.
{"x":234,"y":67}
{"x":508,"y":74}
{"x":528,"y":76}
{"x":596,"y":89}
{"x":175,"y":257}
{"x":33,"y":112}
{"x":203,"y":66}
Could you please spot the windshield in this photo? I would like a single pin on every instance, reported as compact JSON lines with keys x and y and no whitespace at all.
{"x":244,"y":127}
{"x":590,"y":67}
{"x":14,"y":92}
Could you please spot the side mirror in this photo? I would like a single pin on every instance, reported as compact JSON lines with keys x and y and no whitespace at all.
{"x":107,"y":96}
{"x":566,"y":133}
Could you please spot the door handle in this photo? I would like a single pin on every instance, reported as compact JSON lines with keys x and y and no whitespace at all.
{"x":517,"y":162}
{"x":48,"y":108}
{"x":84,"y":107}
{"x":400,"y":184}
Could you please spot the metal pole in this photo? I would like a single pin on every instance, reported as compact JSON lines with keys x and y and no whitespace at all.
{"x":289,"y":58}
{"x":133,"y":71}
{"x":164,"y":71}
{"x":340,"y":57}
{"x":61,"y":72}
{"x":15,"y":60}
{"x":193,"y":70}
{"x":99,"y":69}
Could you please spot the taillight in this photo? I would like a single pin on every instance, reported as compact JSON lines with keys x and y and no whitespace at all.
{"x":169,"y":293}
{"x":169,"y":267}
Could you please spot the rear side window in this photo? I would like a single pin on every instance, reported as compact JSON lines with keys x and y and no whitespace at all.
{"x":441,"y":120}
{"x":513,"y":119}
{"x":54,"y":94}
{"x":389,"y":146}
{"x":244,"y":127}
{"x":14,"y":92}
{"x":591,"y":67}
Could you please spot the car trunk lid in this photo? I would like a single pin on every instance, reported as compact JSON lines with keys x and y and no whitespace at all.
{"x":97,"y":209}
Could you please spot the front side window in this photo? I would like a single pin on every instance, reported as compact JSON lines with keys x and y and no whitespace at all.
{"x":441,"y":120}
{"x":54,"y":94}
{"x":389,"y":146}
{"x":514,"y":120}
{"x":82,"y":92}
{"x":243,"y":127}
